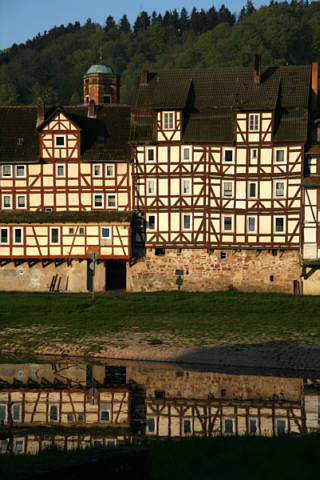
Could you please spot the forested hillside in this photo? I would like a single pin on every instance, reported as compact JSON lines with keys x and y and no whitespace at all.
{"x":51,"y":65}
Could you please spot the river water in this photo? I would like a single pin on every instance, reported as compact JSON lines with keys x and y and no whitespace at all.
{"x":70,"y":404}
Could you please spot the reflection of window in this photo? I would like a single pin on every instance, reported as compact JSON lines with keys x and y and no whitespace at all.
{"x":18,"y":446}
{"x":150,"y":425}
{"x":53,"y":413}
{"x":186,"y":426}
{"x":16,"y":412}
{"x":281,"y":427}
{"x":111,"y":200}
{"x":253,"y":122}
{"x":3,"y":412}
{"x":228,"y":425}
{"x":105,"y":415}
{"x":253,"y":425}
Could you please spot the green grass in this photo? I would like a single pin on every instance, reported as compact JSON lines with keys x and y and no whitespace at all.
{"x":202,"y":318}
{"x":227,"y":458}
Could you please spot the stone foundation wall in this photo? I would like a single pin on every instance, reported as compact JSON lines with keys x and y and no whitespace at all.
{"x":37,"y":278}
{"x":247,"y":270}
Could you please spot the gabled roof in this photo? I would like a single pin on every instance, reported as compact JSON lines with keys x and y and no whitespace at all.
{"x":111,"y":125}
{"x":226,"y":87}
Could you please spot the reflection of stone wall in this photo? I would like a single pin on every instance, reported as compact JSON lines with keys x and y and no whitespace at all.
{"x":246,"y":269}
{"x":37,"y":278}
{"x":179,"y":383}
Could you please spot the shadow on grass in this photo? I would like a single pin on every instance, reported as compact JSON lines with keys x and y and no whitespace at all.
{"x":271,"y":358}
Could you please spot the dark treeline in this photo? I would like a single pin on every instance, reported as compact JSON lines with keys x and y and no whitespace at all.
{"x":51,"y":65}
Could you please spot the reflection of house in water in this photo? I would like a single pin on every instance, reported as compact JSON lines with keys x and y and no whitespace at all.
{"x":81,"y":405}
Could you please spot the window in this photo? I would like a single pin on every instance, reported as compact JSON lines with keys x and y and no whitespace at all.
{"x":106,"y":233}
{"x":252,"y":224}
{"x":70,"y":417}
{"x":100,"y":140}
{"x":281,"y":427}
{"x":59,"y":140}
{"x":98,"y":200}
{"x":105,"y":415}
{"x":4,"y":238}
{"x":228,"y":426}
{"x":186,"y":187}
{"x":82,"y":230}
{"x":18,"y":236}
{"x":60,"y":170}
{"x":106,"y":99}
{"x":55,"y":235}
{"x":151,"y":154}
{"x":253,"y":122}
{"x":186,"y":426}
{"x":280,"y":155}
{"x":21,"y":201}
{"x":227,"y":155}
{"x":53,"y":413}
{"x":186,"y":154}
{"x":151,"y":187}
{"x":151,"y":222}
{"x":18,"y":446}
{"x":279,"y":224}
{"x":111,"y":200}
{"x":227,"y":224}
{"x":252,"y":190}
{"x":253,"y":425}
{"x":253,"y":155}
{"x":71,"y":230}
{"x":97,"y":170}
{"x":168,"y":120}
{"x":20,"y":171}
{"x":3,"y":412}
{"x":7,"y":171}
{"x":279,"y":189}
{"x":7,"y":201}
{"x":110,"y":171}
{"x":186,"y":222}
{"x":16,"y":412}
{"x":227,"y":189}
{"x":80,"y":417}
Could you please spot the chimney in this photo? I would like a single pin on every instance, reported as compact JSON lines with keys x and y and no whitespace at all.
{"x":257,"y":69}
{"x":40,"y":112}
{"x":143,"y":77}
{"x":92,"y":109}
{"x":314,"y":87}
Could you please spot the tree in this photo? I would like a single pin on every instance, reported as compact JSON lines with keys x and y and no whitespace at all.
{"x":124,"y":25}
{"x":110,"y":23}
{"x":225,"y":16}
{"x":8,"y":95}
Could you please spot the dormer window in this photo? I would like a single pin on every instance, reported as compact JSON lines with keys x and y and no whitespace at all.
{"x":253,"y":122}
{"x":168,"y":120}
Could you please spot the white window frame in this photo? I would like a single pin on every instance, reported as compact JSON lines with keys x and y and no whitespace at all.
{"x":224,"y":217}
{"x":94,"y":200}
{"x":255,"y":224}
{"x":224,"y":190}
{"x":2,"y":170}
{"x":24,"y":171}
{"x":3,"y":205}
{"x":151,"y":149}
{"x":256,"y":190}
{"x":99,"y":165}
{"x":110,"y":234}
{"x":64,"y":141}
{"x":148,"y":223}
{"x":59,"y":236}
{"x":251,"y":157}
{"x":184,"y":215}
{"x":116,"y":200}
{"x":153,"y":190}
{"x":8,"y":238}
{"x":169,"y":119}
{"x":285,"y":152}
{"x":14,"y":235}
{"x":25,"y":201}
{"x":113,"y":170}
{"x":256,"y":122}
{"x":189,"y":150}
{"x":105,"y":409}
{"x":227,"y":149}
{"x":275,"y":188}
{"x":59,"y":165}
{"x":186,"y":182}
{"x":284,"y":225}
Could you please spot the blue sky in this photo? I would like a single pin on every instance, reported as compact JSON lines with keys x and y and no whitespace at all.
{"x":21,"y":20}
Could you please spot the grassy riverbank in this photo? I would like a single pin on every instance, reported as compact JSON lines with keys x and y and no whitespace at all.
{"x":40,"y":323}
{"x":249,"y":458}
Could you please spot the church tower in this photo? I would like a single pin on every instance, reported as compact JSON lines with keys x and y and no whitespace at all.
{"x":101,"y":84}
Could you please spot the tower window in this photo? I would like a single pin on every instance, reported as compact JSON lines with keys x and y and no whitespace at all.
{"x":107,"y":99}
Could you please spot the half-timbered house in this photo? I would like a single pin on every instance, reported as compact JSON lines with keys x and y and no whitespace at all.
{"x":217,"y":176}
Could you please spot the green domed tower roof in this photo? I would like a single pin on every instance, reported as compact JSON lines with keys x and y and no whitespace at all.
{"x":100,"y":68}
